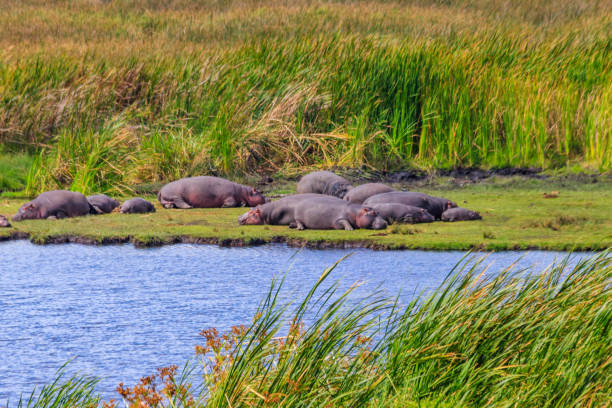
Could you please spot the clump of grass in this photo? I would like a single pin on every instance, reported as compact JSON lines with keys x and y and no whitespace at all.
{"x":403,"y":229}
{"x":557,"y":222}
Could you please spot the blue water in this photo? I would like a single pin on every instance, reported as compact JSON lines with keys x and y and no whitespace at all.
{"x":120,"y":312}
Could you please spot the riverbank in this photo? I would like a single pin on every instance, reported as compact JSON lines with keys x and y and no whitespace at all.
{"x":516,"y":215}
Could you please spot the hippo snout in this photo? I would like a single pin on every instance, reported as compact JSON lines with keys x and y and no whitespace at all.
{"x":379,"y":223}
{"x":17,"y":217}
{"x":242,"y":219}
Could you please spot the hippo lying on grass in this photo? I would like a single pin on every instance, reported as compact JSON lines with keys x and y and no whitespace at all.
{"x":333,"y":213}
{"x":54,"y":204}
{"x":460,"y":214}
{"x":324,"y":182}
{"x":208,"y":192}
{"x":102,"y":204}
{"x":361,"y":193}
{"x":4,"y":222}
{"x":402,"y":213}
{"x":136,"y":206}
{"x":434,"y":205}
{"x":279,"y":212}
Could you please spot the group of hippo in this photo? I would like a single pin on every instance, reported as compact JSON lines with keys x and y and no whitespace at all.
{"x":328,"y":201}
{"x":324,"y":200}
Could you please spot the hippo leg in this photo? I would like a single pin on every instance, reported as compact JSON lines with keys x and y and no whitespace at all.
{"x":180,"y":203}
{"x":293,"y":225}
{"x":52,"y":217}
{"x":299,"y":225}
{"x":230,"y":202}
{"x":95,"y":210}
{"x":343,"y":224}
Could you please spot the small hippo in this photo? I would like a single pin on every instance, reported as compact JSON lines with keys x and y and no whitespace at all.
{"x":54,"y":204}
{"x":4,"y":222}
{"x":402,"y":213}
{"x":279,"y":212}
{"x":102,"y":204}
{"x":136,"y":206}
{"x":360,"y":193}
{"x":208,"y":192}
{"x":434,"y":205}
{"x":324,"y":182}
{"x":333,"y":213}
{"x":460,"y":214}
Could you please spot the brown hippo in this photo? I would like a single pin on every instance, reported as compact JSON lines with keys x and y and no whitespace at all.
{"x":4,"y":222}
{"x":54,"y":204}
{"x":402,"y":213}
{"x":102,"y":204}
{"x":333,"y":213}
{"x":279,"y":212}
{"x":360,"y":193}
{"x":208,"y":192}
{"x":324,"y":182}
{"x":460,"y":214}
{"x":136,"y":206}
{"x":435,"y":205}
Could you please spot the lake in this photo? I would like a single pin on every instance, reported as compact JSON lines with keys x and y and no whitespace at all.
{"x":118,"y":312}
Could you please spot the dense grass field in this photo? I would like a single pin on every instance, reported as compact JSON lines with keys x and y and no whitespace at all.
{"x":534,"y":338}
{"x":515,"y":216}
{"x":108,"y":94}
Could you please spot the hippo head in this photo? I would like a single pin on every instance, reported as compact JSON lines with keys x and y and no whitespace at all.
{"x":369,"y":218}
{"x":255,"y":197}
{"x":28,"y":211}
{"x":251,"y":217}
{"x":425,"y":216}
{"x":340,"y":189}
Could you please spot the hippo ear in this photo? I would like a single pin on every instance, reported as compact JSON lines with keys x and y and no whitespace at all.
{"x":30,"y":206}
{"x":257,"y":211}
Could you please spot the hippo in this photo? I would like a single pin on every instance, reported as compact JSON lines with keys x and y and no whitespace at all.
{"x":4,"y":222}
{"x":333,"y":213}
{"x":136,"y":206}
{"x":360,"y":193}
{"x":279,"y":212}
{"x":435,"y":205}
{"x":54,"y":204}
{"x":102,"y":204}
{"x":208,"y":192}
{"x":324,"y":182}
{"x":460,"y":214}
{"x":402,"y":213}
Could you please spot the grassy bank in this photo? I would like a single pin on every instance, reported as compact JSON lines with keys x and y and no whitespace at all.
{"x":522,"y":338}
{"x":515,"y":216}
{"x":110,"y":94}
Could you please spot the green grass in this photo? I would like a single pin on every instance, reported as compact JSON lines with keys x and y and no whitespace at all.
{"x":515,"y":216}
{"x":521,"y":338}
{"x":111,"y":94}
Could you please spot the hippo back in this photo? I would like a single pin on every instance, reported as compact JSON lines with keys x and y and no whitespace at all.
{"x":361,"y":193}
{"x":324,"y":182}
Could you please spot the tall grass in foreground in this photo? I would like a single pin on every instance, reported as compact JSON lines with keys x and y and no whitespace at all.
{"x":521,"y":338}
{"x":116,"y":93}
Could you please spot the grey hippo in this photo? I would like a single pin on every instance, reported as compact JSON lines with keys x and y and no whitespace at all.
{"x":333,"y":213}
{"x":208,"y":192}
{"x":324,"y":182}
{"x":402,"y":213}
{"x":460,"y":214}
{"x":361,"y":193}
{"x":435,"y":205}
{"x":137,"y":206}
{"x":54,"y":204}
{"x":279,"y":212}
{"x":102,"y":204}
